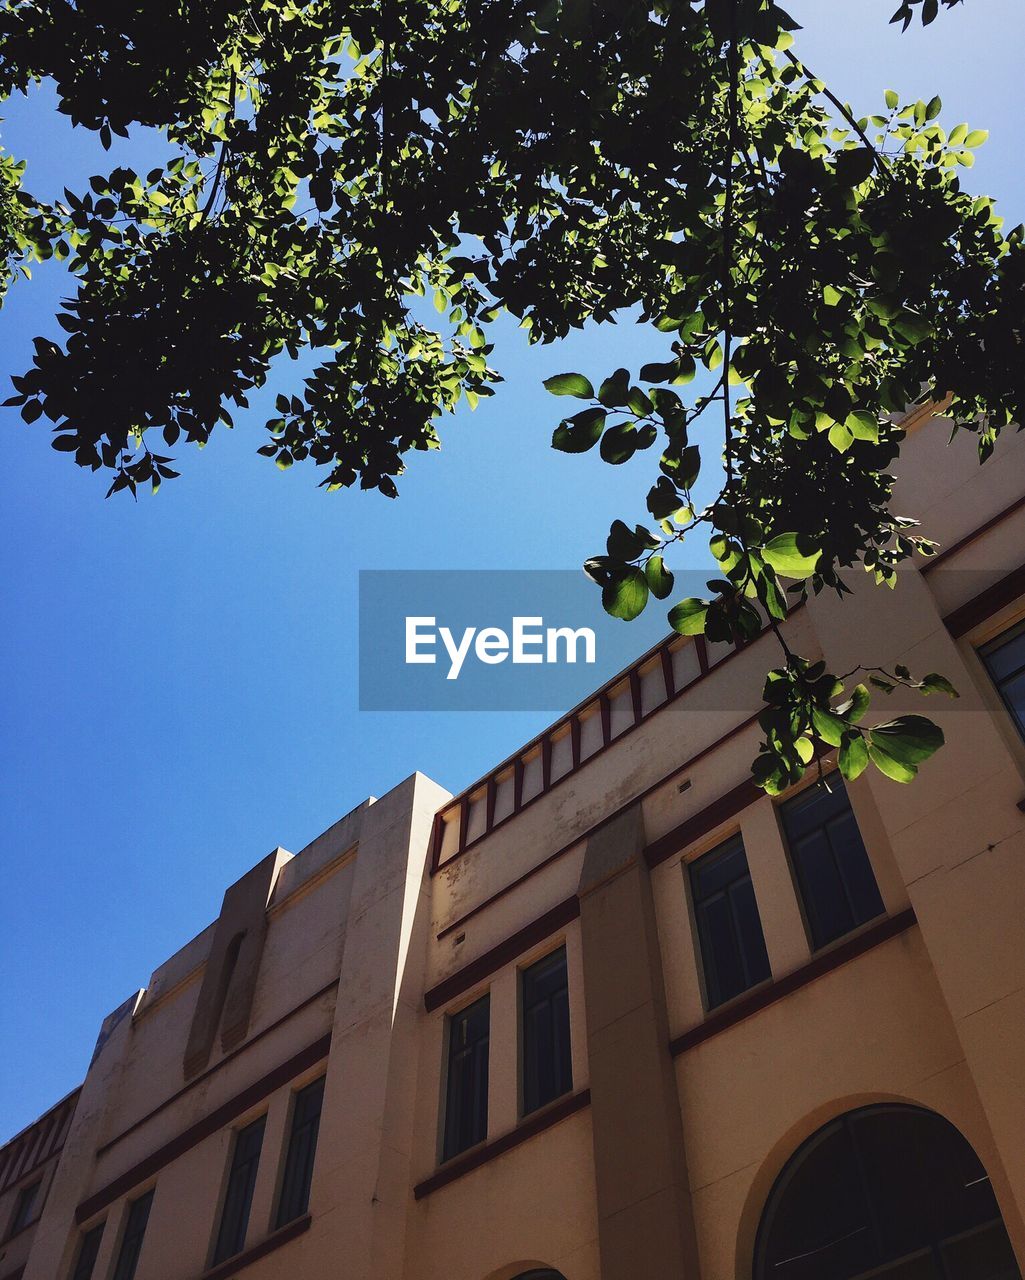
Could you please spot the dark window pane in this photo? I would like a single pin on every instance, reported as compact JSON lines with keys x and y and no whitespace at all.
{"x":131,"y":1241}
{"x":87,"y":1252}
{"x":466,"y":1097}
{"x":1005,"y":659}
{"x":834,"y":874}
{"x":730,"y":936}
{"x":238,"y":1197}
{"x":25,"y":1211}
{"x":302,"y":1149}
{"x":884,"y":1192}
{"x":547,"y":1066}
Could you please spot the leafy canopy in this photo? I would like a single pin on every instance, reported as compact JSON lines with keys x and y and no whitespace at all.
{"x":336,"y":168}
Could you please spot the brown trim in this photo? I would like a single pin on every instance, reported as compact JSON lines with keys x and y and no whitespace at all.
{"x":202,"y":1129}
{"x":225,"y":1269}
{"x":602,"y":822}
{"x":197,"y":1080}
{"x":607,"y":741}
{"x":705,"y":820}
{"x":522,"y":940}
{"x":437,"y":835}
{"x":27,"y":1143}
{"x":975,"y":534}
{"x":986,"y":603}
{"x":489,"y":1151}
{"x":770,"y":992}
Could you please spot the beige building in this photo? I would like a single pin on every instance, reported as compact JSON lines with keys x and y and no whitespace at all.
{"x":611,"y":1013}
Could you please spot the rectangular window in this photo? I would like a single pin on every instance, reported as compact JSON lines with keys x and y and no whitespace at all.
{"x":131,"y":1241}
{"x":302,"y":1149}
{"x":733,"y":953}
{"x":25,"y":1210}
{"x":466,"y":1099}
{"x":547,"y":1066}
{"x":834,"y":874}
{"x":238,"y":1198}
{"x":1005,"y":660}
{"x":87,"y":1253}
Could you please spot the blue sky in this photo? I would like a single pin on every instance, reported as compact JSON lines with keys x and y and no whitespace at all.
{"x":181,"y":682}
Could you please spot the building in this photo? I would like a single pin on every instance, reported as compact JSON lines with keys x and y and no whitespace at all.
{"x":612,"y":1013}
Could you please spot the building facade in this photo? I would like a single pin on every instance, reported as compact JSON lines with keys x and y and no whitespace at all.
{"x":612,"y":1012}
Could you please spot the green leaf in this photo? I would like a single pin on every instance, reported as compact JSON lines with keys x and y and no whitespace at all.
{"x":615,"y":390}
{"x":619,"y":443}
{"x":934,"y":107}
{"x":659,"y":372}
{"x":935,"y":683}
{"x":624,"y":543}
{"x":580,"y":432}
{"x":853,"y":757}
{"x":909,"y":739}
{"x":626,"y":596}
{"x":791,"y":555}
{"x":892,"y":768}
{"x":569,"y":384}
{"x":891,"y":99}
{"x":660,"y":580}
{"x":854,"y":166}
{"x":863,"y":426}
{"x":829,"y":727}
{"x":688,"y":617}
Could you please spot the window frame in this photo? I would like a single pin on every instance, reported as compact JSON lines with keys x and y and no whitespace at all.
{"x":121,"y":1270}
{"x":28,"y":1205}
{"x":528,"y":1107}
{"x":982,"y":647}
{"x":798,"y":876}
{"x":445,"y":1154}
{"x":251,"y":1167}
{"x":691,"y":867}
{"x":283,"y":1216}
{"x":95,"y":1232}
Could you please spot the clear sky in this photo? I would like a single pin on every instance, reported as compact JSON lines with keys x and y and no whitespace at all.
{"x":181,"y":687}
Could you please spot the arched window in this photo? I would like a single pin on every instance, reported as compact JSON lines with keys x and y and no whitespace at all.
{"x":889,"y":1192}
{"x":544,"y":1274}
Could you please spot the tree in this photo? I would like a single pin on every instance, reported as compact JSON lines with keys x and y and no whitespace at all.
{"x":561,"y":160}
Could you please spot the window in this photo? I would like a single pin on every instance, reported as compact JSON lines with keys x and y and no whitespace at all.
{"x":238,"y":1199}
{"x":466,"y":1100}
{"x":302,"y":1148}
{"x":87,"y":1252}
{"x":885,"y":1191}
{"x":131,"y":1241}
{"x":547,"y":1066}
{"x":834,"y":875}
{"x":1005,"y":660}
{"x":24,"y":1208}
{"x":733,"y":953}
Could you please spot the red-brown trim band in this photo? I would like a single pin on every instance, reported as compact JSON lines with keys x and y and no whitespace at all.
{"x":258,"y":1251}
{"x":975,"y":534}
{"x":490,"y":1150}
{"x":202,"y":1129}
{"x":711,"y":816}
{"x":228,"y":1057}
{"x":771,"y":992}
{"x":477,"y":970}
{"x":602,"y":822}
{"x":986,"y":603}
